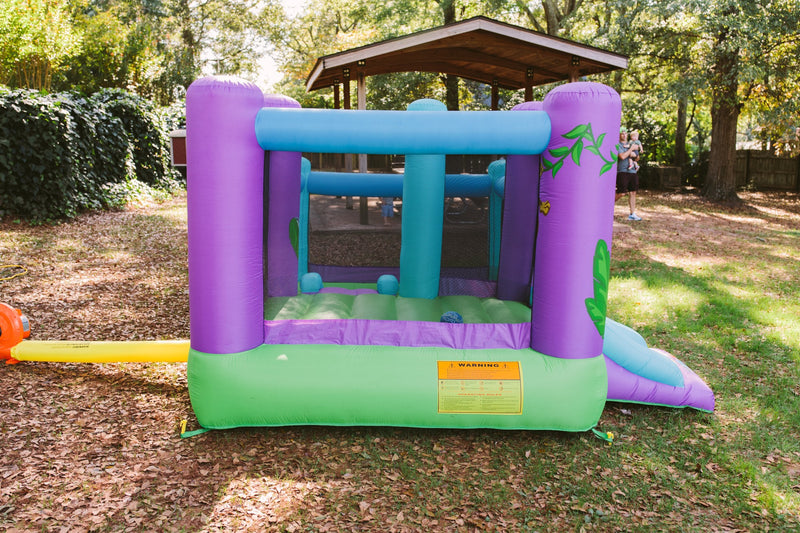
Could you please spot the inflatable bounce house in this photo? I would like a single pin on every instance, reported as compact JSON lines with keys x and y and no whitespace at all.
{"x":275,"y":340}
{"x":526,"y":344}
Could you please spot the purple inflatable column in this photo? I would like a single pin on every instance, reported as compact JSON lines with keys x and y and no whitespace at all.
{"x":283,"y":197}
{"x":576,"y":213}
{"x":519,"y":222}
{"x":225,"y":168}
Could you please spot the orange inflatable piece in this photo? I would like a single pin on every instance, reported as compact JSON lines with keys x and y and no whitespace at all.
{"x":14,"y":327}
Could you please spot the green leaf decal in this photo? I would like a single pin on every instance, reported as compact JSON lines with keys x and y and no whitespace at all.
{"x":294,"y":235}
{"x":560,"y":152}
{"x":601,"y":269}
{"x":577,"y":132}
{"x":576,"y":152}
{"x":592,"y":145}
{"x":597,"y":315}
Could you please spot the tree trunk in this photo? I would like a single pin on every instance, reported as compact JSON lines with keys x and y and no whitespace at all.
{"x":451,"y":92}
{"x":450,"y":81}
{"x":720,"y":183}
{"x":680,"y":133}
{"x":551,"y":16}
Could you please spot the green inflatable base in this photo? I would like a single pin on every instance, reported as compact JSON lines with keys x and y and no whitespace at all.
{"x":338,"y":385}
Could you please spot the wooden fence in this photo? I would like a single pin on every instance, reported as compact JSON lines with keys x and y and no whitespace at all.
{"x":763,"y":170}
{"x":754,"y":168}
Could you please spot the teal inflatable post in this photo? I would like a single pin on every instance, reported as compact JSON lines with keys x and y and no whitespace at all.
{"x":423,"y":214}
{"x":302,"y":245}
{"x":497,"y":173}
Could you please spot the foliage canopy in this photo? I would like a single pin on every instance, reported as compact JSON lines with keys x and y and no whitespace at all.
{"x":703,"y":74}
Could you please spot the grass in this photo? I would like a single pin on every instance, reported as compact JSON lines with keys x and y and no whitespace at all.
{"x":95,"y":447}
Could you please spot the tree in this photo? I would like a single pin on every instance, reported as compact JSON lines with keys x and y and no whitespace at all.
{"x":554,"y":12}
{"x":724,"y":57}
{"x":35,"y":38}
{"x":749,"y":38}
{"x":153,"y":47}
{"x":448,"y":8}
{"x":720,"y":182}
{"x":118,"y":49}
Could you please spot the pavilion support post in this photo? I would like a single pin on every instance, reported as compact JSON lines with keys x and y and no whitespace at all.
{"x":573,"y":69}
{"x":363,"y":204}
{"x":346,"y":87}
{"x":529,"y":84}
{"x":495,"y":96}
{"x":348,"y":159}
{"x":337,"y":104}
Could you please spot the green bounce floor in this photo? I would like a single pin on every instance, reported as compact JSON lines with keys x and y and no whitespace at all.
{"x":330,"y":306}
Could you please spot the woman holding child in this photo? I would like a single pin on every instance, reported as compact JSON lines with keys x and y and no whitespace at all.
{"x":628,"y":152}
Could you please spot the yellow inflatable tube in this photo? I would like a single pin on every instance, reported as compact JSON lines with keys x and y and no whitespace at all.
{"x":99,"y":351}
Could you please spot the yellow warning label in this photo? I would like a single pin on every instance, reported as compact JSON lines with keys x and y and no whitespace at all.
{"x":480,"y":387}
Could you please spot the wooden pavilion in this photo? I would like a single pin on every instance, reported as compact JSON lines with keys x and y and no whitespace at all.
{"x":496,"y":53}
{"x":482,"y":49}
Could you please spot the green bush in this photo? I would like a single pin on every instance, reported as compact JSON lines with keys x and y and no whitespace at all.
{"x":150,"y":140}
{"x":62,"y":153}
{"x":174,"y":116}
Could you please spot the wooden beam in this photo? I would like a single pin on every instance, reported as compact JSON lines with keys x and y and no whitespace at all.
{"x":462,"y":54}
{"x":460,"y":59}
{"x":495,"y":96}
{"x":461,"y":71}
{"x":337,"y":104}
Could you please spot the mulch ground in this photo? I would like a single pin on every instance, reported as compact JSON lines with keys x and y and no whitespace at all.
{"x":96,"y":447}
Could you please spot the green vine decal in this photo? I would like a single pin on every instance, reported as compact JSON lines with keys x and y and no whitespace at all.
{"x":584,"y":140}
{"x":294,"y":234}
{"x":596,"y":307}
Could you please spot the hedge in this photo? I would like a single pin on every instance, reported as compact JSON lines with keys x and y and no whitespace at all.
{"x":61,"y":154}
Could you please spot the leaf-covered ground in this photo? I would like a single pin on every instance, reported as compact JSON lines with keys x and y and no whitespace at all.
{"x":96,"y":447}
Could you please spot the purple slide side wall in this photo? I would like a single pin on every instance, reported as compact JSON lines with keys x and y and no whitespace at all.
{"x":519,"y":222}
{"x":576,"y":210}
{"x":226,"y":277}
{"x":624,"y":386}
{"x":284,"y":205}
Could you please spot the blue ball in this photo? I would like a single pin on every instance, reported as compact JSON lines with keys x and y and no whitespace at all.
{"x":310,"y":283}
{"x":452,"y":317}
{"x":388,"y":284}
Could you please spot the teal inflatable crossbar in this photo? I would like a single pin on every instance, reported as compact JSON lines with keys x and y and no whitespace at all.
{"x":401,"y":132}
{"x":375,"y":184}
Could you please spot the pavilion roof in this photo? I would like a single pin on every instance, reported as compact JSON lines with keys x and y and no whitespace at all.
{"x":479,"y":49}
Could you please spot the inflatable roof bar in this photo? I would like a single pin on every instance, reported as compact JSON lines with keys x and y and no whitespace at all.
{"x":353,"y":184}
{"x":420,"y":132}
